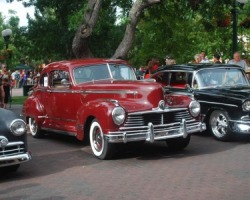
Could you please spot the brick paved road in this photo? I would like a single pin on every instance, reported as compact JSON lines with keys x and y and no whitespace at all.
{"x":63,"y":168}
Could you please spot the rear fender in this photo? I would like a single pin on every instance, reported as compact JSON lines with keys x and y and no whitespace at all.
{"x":33,"y":108}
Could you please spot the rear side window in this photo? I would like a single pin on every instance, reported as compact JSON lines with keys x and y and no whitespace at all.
{"x":44,"y":80}
{"x":59,"y":78}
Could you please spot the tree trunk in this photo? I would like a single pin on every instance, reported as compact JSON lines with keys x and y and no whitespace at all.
{"x":134,"y":16}
{"x":80,"y":45}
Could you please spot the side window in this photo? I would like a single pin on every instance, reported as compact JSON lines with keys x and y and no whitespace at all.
{"x":59,"y":78}
{"x":162,"y":78}
{"x":178,"y":79}
{"x":44,"y":80}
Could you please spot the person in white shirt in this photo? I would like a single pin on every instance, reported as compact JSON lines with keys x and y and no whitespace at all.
{"x":203,"y":57}
{"x":238,"y":61}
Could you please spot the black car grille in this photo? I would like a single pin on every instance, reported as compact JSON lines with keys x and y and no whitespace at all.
{"x":157,"y":118}
{"x":12,"y":149}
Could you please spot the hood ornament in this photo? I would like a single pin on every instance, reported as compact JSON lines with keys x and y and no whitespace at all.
{"x":161,"y":104}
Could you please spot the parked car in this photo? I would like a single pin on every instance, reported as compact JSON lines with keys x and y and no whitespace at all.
{"x":222,"y":90}
{"x":101,"y":100}
{"x":13,"y":141}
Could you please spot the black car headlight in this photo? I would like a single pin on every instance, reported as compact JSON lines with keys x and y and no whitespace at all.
{"x":194,"y":108}
{"x":18,"y":127}
{"x":246,"y":106}
{"x":118,"y":115}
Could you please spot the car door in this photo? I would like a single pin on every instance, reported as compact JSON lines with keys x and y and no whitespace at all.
{"x":61,"y":108}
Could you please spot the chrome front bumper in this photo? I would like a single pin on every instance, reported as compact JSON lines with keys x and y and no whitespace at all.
{"x":240,"y":126}
{"x":14,"y":160}
{"x":155,"y":132}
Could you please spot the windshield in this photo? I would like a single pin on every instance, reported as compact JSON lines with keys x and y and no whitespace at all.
{"x":220,"y":77}
{"x":101,"y":72}
{"x":122,"y":72}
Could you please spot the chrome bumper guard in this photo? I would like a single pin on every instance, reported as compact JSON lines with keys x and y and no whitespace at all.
{"x":14,"y":160}
{"x":152,"y":132}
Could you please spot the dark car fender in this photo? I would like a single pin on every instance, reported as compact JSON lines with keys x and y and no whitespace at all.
{"x":101,"y":110}
{"x":207,"y":111}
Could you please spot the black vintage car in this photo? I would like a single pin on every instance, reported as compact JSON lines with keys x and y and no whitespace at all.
{"x":13,"y":141}
{"x":222,"y":90}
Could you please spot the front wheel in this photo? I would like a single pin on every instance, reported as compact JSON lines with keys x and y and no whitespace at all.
{"x":219,"y":125}
{"x":99,"y":145}
{"x":178,"y":144}
{"x":35,"y":130}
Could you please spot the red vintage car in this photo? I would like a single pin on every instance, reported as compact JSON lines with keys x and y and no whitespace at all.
{"x":101,"y":101}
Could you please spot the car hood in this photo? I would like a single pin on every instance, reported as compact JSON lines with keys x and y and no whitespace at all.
{"x":132,"y":95}
{"x":238,"y":92}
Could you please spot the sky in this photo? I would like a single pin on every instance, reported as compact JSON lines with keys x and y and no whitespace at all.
{"x":17,"y":6}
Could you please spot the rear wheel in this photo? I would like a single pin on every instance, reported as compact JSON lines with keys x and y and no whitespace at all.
{"x":35,"y":130}
{"x":178,"y":144}
{"x":99,"y":145}
{"x":219,"y":125}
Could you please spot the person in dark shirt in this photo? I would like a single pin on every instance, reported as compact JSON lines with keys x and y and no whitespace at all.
{"x":2,"y":96}
{"x":217,"y":58}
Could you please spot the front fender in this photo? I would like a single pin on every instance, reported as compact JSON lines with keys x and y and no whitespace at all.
{"x":99,"y":109}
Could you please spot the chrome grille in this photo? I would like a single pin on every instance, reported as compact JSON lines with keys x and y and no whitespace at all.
{"x":182,"y":115}
{"x":157,"y":118}
{"x":12,"y":149}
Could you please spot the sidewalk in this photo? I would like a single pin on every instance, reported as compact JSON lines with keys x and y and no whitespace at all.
{"x":17,"y":92}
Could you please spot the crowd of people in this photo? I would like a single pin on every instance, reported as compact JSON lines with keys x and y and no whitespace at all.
{"x":153,"y":64}
{"x":16,"y":79}
{"x":217,"y":59}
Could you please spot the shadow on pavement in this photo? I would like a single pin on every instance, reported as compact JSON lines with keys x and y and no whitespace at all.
{"x":55,"y":153}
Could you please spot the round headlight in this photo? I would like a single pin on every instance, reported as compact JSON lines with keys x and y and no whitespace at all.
{"x":18,"y":127}
{"x":118,"y":115}
{"x":194,"y":108}
{"x":246,"y":106}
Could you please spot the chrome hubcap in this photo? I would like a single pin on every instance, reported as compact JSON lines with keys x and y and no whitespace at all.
{"x":97,"y":139}
{"x":219,"y":125}
{"x":33,"y":126}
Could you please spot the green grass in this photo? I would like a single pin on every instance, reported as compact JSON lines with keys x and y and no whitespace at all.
{"x":18,"y":100}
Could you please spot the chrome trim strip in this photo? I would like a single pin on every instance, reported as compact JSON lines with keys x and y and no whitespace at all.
{"x":43,"y":117}
{"x":10,"y":144}
{"x":246,"y":117}
{"x":58,"y":119}
{"x":109,"y":92}
{"x":60,"y":91}
{"x":240,"y":121}
{"x":209,"y":102}
{"x":166,"y":110}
